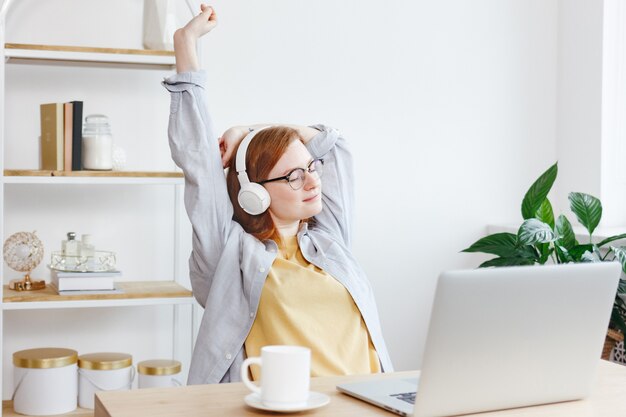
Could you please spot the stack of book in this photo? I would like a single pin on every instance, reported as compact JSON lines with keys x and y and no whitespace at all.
{"x":67,"y":283}
{"x":61,"y":136}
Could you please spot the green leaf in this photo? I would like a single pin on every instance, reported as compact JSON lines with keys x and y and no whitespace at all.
{"x":501,"y":244}
{"x":533,"y":231}
{"x":590,"y":257}
{"x":562,"y":255}
{"x":587,"y":209}
{"x":545,"y":213}
{"x":577,"y":251}
{"x":612,"y":239}
{"x":564,"y":230}
{"x":538,"y":192}
{"x":618,"y":315}
{"x":513,"y":261}
{"x":545,"y":251}
{"x":620,"y":255}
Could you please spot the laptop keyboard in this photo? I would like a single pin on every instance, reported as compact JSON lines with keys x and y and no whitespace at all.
{"x":408,"y":397}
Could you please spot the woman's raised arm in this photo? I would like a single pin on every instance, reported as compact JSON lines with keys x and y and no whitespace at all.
{"x":185,"y":39}
{"x":194,"y":148}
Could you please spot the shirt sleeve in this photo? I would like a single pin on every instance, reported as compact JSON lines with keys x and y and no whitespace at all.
{"x":194,"y":148}
{"x":337,"y":182}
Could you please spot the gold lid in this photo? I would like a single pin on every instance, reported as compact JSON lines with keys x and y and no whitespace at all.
{"x":105,"y":361}
{"x":159,"y":367}
{"x":44,"y":358}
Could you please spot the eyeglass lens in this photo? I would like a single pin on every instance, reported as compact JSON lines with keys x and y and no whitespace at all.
{"x":296,"y":178}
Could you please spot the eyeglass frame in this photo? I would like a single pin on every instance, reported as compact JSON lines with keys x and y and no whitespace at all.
{"x":286,"y":177}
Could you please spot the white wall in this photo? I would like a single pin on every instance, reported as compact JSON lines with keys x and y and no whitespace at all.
{"x":590,"y":107}
{"x":450,"y":107}
{"x":613,"y":145}
{"x":579,"y":102}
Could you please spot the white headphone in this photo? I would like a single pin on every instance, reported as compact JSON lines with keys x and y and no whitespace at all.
{"x":253,"y":198}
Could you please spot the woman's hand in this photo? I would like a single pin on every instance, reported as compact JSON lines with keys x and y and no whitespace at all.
{"x":201,"y":24}
{"x":185,"y":38}
{"x":229,"y":142}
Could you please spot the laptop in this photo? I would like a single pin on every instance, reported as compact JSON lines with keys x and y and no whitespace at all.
{"x":505,"y":338}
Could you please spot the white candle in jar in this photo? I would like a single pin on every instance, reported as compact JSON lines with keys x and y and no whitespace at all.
{"x":97,"y":143}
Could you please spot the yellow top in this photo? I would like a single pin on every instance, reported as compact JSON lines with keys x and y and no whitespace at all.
{"x":303,"y":305}
{"x":159,"y":367}
{"x":105,"y":361}
{"x":45,"y":358}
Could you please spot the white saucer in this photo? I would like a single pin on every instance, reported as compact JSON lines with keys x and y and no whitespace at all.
{"x":316,"y":400}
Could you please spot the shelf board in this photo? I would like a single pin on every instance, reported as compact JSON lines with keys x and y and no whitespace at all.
{"x":23,"y":176}
{"x":7,"y":411}
{"x":134,"y":293}
{"x":41,"y":53}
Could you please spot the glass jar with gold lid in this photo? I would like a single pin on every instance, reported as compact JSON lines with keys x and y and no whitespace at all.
{"x":44,"y":381}
{"x":103,"y":371}
{"x":159,"y":373}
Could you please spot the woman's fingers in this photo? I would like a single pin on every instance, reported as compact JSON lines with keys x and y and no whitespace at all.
{"x":226,"y":157}
{"x":202,"y":23}
{"x":225,"y":152}
{"x":209,"y":12}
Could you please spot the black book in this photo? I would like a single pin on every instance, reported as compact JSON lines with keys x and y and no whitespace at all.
{"x":77,"y":135}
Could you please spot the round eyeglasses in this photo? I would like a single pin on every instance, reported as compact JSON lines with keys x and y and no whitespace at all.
{"x":295,"y":177}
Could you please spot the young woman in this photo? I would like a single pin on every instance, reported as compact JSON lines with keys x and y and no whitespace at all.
{"x":284,"y":275}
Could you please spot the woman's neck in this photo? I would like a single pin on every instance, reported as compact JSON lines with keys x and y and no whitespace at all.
{"x":287,"y":231}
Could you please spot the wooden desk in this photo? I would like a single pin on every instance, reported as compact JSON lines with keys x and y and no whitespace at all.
{"x":608,"y":399}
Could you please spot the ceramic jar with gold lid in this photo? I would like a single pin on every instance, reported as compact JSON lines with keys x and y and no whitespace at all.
{"x":44,"y":381}
{"x":159,"y":373}
{"x":103,"y":371}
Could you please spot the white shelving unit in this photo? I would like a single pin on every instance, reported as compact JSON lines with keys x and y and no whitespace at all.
{"x":46,"y":54}
{"x":92,"y":177}
{"x":136,"y":294}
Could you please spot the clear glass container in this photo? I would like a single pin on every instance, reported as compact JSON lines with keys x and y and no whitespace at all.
{"x":101,"y":261}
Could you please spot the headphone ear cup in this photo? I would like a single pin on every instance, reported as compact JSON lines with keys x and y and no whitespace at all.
{"x":253,"y":198}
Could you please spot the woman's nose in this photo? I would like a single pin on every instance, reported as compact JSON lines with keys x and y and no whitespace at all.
{"x":311,"y":179}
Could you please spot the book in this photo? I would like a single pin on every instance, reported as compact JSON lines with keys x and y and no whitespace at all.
{"x":90,"y":292}
{"x":81,"y":281}
{"x":67,"y":136}
{"x":77,"y":135}
{"x":51,"y":115}
{"x":85,"y":274}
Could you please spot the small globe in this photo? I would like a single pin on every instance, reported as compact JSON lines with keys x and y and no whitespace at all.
{"x":23,"y":251}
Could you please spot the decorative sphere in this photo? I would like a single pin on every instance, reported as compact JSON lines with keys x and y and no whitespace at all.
{"x":23,"y":251}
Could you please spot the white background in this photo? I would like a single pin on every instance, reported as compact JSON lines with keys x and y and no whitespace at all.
{"x":452,"y":108}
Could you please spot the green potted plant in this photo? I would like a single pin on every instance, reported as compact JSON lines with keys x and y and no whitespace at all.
{"x":542,"y":239}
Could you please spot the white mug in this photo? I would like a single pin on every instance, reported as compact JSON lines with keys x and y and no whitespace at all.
{"x":285,"y":375}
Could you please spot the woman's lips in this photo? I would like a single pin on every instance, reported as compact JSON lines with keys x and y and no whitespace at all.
{"x":311,"y":199}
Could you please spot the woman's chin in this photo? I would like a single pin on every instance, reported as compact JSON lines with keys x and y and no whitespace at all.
{"x":316,"y":208}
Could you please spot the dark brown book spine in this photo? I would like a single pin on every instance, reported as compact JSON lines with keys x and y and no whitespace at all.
{"x":77,"y":136}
